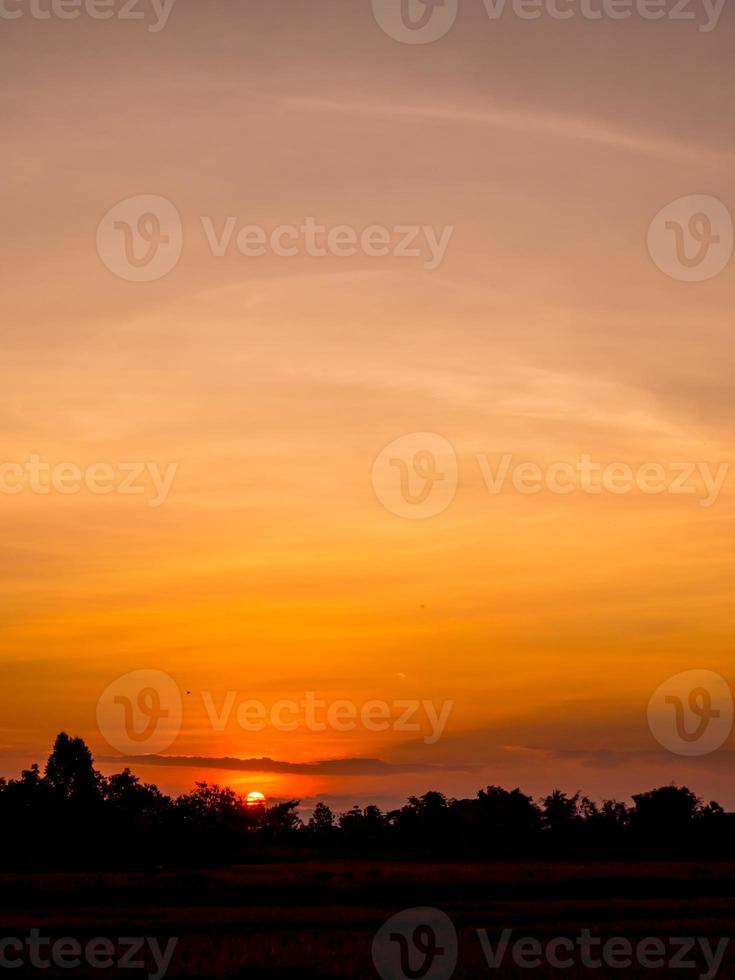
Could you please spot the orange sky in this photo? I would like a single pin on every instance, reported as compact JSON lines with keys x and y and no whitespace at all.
{"x":273,"y":383}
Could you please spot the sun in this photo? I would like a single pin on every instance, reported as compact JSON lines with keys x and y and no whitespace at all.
{"x":255,"y":799}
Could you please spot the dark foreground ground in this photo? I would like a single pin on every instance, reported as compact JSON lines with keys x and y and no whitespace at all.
{"x":318,"y":919}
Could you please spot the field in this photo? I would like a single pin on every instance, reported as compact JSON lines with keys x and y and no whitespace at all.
{"x":318,"y":919}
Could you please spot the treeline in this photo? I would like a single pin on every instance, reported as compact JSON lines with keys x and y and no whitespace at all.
{"x":74,"y":817}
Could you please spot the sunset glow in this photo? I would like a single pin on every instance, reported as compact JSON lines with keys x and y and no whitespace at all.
{"x":263,"y":569}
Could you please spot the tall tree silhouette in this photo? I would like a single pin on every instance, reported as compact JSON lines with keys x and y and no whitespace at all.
{"x":70,"y":770}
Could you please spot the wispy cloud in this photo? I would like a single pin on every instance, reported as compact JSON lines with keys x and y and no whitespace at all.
{"x":327,"y":767}
{"x":521,"y":121}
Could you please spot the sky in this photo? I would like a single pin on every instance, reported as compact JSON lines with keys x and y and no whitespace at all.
{"x":541,"y":169}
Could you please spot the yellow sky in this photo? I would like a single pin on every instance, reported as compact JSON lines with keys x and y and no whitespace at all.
{"x":547,"y":332}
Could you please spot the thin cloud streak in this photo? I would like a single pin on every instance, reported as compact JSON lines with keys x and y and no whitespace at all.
{"x":328,"y":767}
{"x":584,"y":130}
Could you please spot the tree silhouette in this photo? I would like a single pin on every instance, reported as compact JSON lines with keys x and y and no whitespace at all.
{"x":72,"y":816}
{"x":665,"y":813}
{"x":322,"y":825}
{"x":506,"y":814}
{"x":70,"y":770}
{"x":363,"y":827}
{"x":281,"y":821}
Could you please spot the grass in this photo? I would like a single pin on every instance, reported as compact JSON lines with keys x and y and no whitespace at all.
{"x":318,"y":919}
